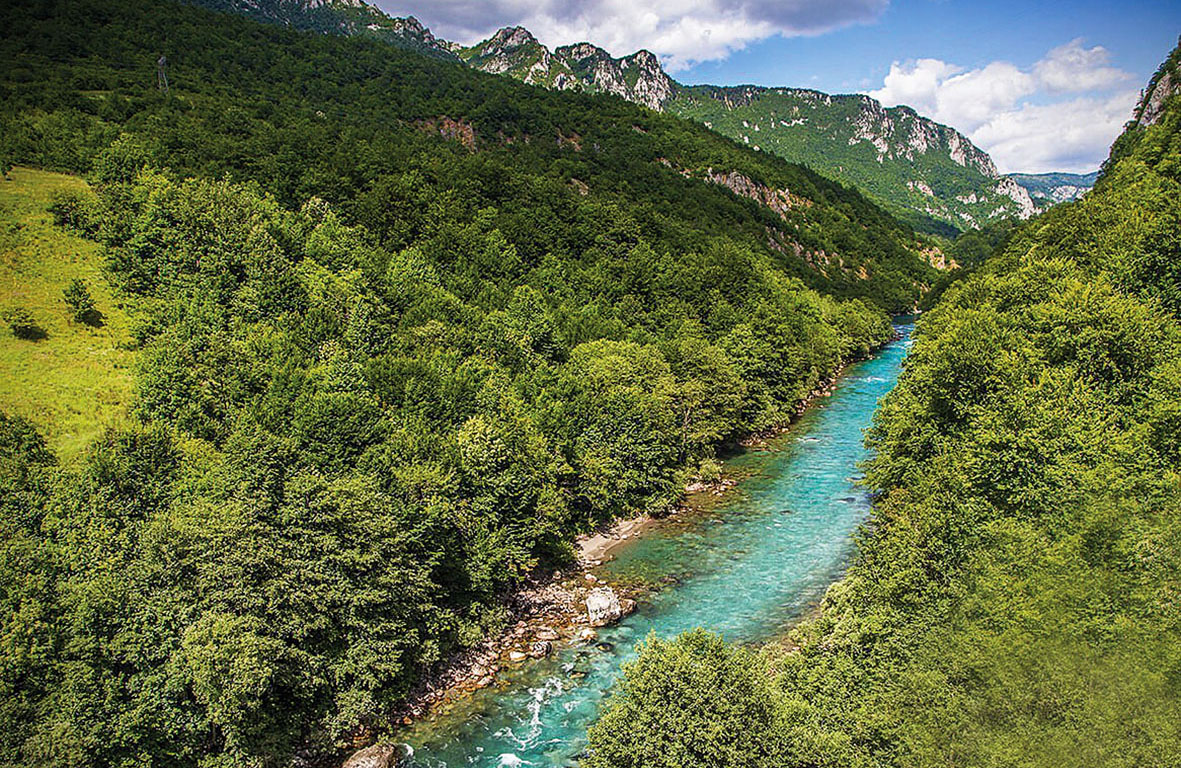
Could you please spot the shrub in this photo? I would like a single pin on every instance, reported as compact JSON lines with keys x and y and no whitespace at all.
{"x":81,"y":304}
{"x":23,"y":326}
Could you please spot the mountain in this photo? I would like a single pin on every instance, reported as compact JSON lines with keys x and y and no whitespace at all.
{"x":340,"y":17}
{"x":929,"y":174}
{"x":1048,"y":189}
{"x":515,"y":52}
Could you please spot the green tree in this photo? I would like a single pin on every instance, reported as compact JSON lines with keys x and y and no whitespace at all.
{"x":81,"y":304}
{"x":689,"y":702}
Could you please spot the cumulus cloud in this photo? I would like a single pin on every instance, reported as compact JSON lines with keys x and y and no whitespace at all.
{"x":1072,"y":68}
{"x":1061,"y":114}
{"x":680,"y":32}
{"x":1072,"y":135}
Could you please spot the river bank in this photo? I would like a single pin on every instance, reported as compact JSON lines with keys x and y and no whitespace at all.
{"x":744,"y":563}
{"x":549,"y":611}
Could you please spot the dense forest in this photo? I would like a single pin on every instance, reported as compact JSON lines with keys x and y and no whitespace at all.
{"x":400,"y":331}
{"x":1015,"y":600}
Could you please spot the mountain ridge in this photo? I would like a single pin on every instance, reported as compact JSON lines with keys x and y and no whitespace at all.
{"x":927,"y":173}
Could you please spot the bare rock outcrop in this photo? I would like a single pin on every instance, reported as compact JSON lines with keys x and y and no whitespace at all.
{"x":603,"y":607}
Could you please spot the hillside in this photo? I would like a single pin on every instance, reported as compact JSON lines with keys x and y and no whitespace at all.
{"x":340,"y":17}
{"x":1014,"y":600}
{"x":74,"y":378}
{"x":926,"y":173}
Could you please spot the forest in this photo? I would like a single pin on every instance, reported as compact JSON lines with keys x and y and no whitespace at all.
{"x":1015,"y":597}
{"x":397,"y":333}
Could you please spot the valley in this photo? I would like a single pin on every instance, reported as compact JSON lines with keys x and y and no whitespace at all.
{"x":373,"y":401}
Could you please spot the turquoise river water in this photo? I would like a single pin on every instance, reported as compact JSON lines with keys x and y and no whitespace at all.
{"x":747,"y":569}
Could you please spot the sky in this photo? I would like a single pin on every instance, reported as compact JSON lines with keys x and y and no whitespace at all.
{"x":1041,"y":86}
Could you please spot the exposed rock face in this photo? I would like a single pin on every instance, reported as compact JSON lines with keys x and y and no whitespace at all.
{"x":1153,"y":105}
{"x":455,"y":130}
{"x":379,"y":756}
{"x":602,"y":607}
{"x":515,"y":52}
{"x":779,"y":200}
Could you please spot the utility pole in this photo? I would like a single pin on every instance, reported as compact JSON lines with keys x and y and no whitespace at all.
{"x":162,"y":73}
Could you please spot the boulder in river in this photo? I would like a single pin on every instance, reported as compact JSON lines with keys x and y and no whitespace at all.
{"x":540,"y":649}
{"x":380,"y":756}
{"x":602,"y":606}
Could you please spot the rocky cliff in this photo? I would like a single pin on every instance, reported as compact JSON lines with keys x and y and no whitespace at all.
{"x":1049,"y":189}
{"x":1164,"y":85}
{"x":515,"y":52}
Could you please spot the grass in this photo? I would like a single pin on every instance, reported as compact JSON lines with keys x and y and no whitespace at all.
{"x":75,"y":379}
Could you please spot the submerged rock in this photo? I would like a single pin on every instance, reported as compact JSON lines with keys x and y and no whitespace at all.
{"x":602,"y":606}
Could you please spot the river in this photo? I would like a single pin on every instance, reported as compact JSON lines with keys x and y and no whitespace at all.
{"x":747,"y":569}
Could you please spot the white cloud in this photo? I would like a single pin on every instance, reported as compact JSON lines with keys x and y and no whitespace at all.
{"x":1072,"y":135}
{"x":1072,"y":68}
{"x":1019,"y":116}
{"x":681,"y":32}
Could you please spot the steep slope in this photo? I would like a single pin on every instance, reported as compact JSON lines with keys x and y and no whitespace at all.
{"x":74,"y":380}
{"x":928,"y":174}
{"x":1049,"y":189}
{"x":921,"y":170}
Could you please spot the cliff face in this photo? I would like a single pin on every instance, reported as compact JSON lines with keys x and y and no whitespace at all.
{"x":1049,"y":189}
{"x":1165,"y":84}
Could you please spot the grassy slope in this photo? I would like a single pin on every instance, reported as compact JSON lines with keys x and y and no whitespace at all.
{"x":78,"y":379}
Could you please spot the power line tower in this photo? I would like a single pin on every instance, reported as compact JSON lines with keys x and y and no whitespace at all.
{"x":162,"y":73}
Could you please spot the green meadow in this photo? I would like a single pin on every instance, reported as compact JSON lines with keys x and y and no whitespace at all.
{"x":76,"y":378}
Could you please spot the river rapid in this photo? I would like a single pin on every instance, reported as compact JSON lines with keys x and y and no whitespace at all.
{"x":748,"y":568}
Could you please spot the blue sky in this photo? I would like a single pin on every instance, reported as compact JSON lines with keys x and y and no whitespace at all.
{"x":972,"y":34}
{"x":1041,"y":86}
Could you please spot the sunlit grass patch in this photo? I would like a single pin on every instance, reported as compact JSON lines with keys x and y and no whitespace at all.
{"x":71,"y":378}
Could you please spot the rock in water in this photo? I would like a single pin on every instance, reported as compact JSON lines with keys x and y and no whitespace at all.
{"x":602,"y":606}
{"x":379,"y":756}
{"x":541,"y":649}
